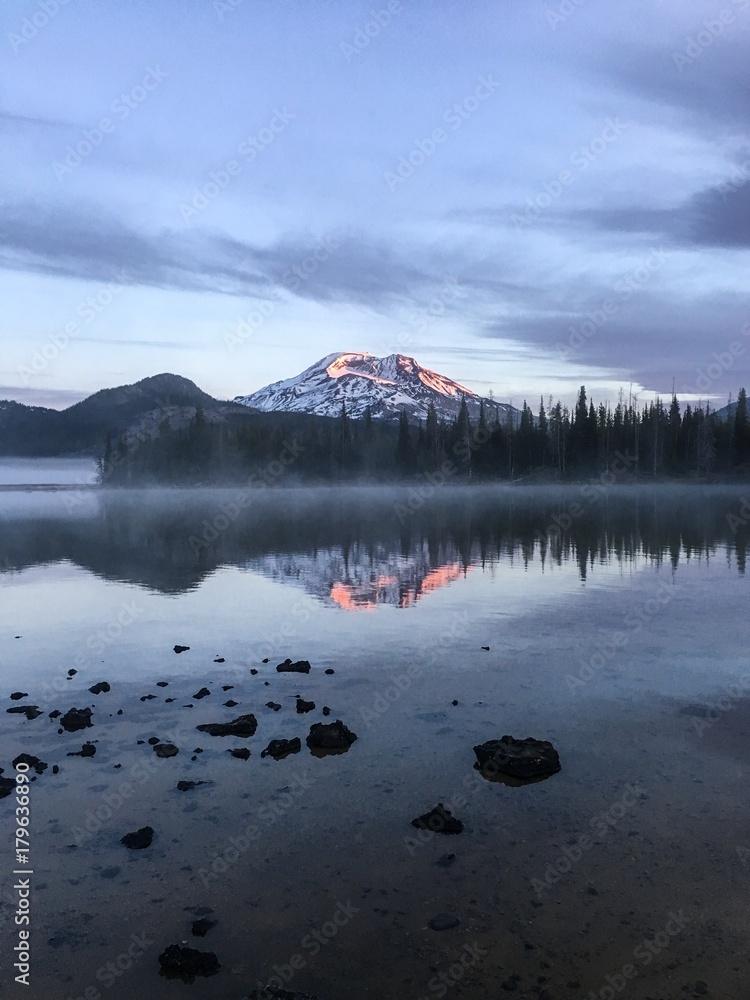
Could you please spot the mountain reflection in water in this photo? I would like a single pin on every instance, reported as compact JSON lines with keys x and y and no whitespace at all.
{"x":361,"y":547}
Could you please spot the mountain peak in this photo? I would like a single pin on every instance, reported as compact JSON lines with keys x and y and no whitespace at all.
{"x":358,"y":380}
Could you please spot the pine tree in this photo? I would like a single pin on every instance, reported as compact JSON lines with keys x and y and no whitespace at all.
{"x":742,"y":429}
{"x":404,"y":447}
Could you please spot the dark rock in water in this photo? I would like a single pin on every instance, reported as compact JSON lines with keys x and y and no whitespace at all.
{"x":181,"y":649}
{"x":524,"y":760}
{"x":72,"y":672}
{"x":446,"y":860}
{"x":454,"y":702}
{"x":7,"y":786}
{"x":277,"y":993}
{"x":485,"y":647}
{"x":304,"y":706}
{"x":55,"y":714}
{"x":330,"y":670}
{"x":75,"y":719}
{"x":300,"y":667}
{"x":139,"y":840}
{"x":253,"y":671}
{"x":274,"y":705}
{"x":243,"y":726}
{"x":101,"y":688}
{"x":30,"y":711}
{"x":186,"y":786}
{"x":203,"y":693}
{"x":330,"y":736}
{"x":87,"y":750}
{"x":443,"y":922}
{"x":153,"y":740}
{"x":197,"y":749}
{"x":231,"y":703}
{"x":264,"y":660}
{"x":17,"y":695}
{"x":701,"y":711}
{"x":27,"y":758}
{"x":186,"y":963}
{"x":227,"y":687}
{"x":219,"y":659}
{"x":162,"y":684}
{"x":112,"y":872}
{"x":148,"y":697}
{"x":282,"y":748}
{"x":326,"y":710}
{"x":242,"y":752}
{"x":439,"y":820}
{"x":166,"y":750}
{"x":201,"y":927}
{"x":56,"y":769}
{"x":168,"y":701}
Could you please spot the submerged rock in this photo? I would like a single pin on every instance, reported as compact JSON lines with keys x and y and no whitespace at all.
{"x":279,"y":749}
{"x":203,"y":693}
{"x":304,"y":706}
{"x":274,"y":705}
{"x":101,"y":688}
{"x":443,"y":922}
{"x":75,"y":719}
{"x":242,"y":752}
{"x":300,"y":667}
{"x":186,"y":963}
{"x":138,"y":840}
{"x":7,"y":786}
{"x":181,"y":649}
{"x":166,"y":750}
{"x":332,"y":736}
{"x":524,"y":760}
{"x":87,"y":750}
{"x":439,"y":820}
{"x":28,"y":758}
{"x":201,"y":927}
{"x":243,"y":726}
{"x":446,"y":860}
{"x":17,"y":695}
{"x":30,"y":711}
{"x":186,"y":786}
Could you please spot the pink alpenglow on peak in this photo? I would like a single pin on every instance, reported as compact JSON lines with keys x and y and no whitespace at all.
{"x":387,"y":385}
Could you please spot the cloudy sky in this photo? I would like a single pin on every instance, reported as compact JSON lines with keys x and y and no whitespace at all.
{"x":522,"y":196}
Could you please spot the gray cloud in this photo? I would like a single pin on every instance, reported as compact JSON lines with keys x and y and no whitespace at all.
{"x":65,"y":243}
{"x":715,"y":217}
{"x":10,"y":120}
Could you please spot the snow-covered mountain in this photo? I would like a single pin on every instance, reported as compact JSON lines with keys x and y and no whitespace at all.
{"x":386,"y":385}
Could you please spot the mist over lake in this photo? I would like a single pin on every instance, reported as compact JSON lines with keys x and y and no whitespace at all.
{"x":611,"y":622}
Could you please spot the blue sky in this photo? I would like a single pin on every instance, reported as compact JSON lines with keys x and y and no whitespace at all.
{"x":522,"y":196}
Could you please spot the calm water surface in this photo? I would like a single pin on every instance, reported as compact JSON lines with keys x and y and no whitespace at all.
{"x":617,"y":627}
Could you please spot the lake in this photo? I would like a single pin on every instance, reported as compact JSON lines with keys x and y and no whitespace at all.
{"x":611,"y":622}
